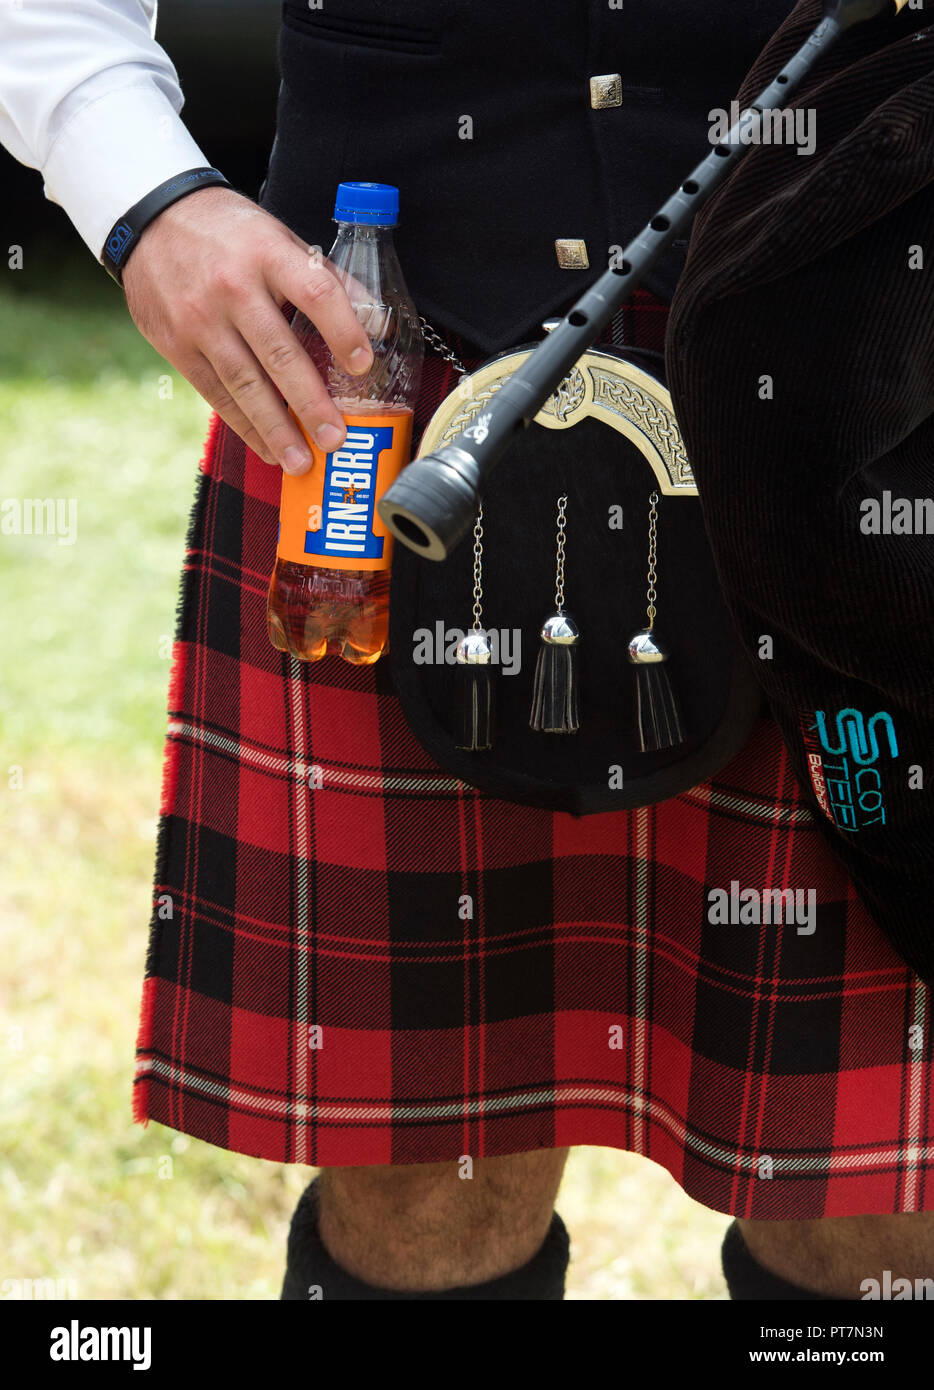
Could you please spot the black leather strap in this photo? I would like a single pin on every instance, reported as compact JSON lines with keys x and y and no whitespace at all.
{"x":126,"y":231}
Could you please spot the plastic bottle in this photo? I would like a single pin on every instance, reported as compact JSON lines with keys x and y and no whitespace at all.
{"x":329,"y":591}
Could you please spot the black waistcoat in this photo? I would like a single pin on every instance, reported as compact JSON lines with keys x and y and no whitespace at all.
{"x":481,"y":113}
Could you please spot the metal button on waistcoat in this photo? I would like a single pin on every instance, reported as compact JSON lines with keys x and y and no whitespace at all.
{"x":572,"y":253}
{"x":606,"y":90}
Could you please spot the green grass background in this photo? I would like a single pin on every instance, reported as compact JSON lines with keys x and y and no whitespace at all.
{"x":89,"y":410}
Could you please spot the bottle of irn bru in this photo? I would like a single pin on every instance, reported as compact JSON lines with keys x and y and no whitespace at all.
{"x":330,"y":589}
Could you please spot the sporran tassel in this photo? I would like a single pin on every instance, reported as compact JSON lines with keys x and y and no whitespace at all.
{"x":656,"y":707}
{"x":476,"y":713}
{"x":657,"y":712}
{"x":555,"y":688}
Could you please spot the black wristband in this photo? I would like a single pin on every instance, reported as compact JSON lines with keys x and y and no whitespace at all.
{"x":125,"y":232}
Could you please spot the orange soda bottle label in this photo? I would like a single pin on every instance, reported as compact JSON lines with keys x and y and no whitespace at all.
{"x":328,"y":516}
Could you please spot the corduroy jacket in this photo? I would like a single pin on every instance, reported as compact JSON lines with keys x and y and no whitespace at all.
{"x":801,"y":361}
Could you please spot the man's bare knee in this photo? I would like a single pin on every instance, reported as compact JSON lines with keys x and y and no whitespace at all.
{"x":835,"y":1256}
{"x":439,"y":1225}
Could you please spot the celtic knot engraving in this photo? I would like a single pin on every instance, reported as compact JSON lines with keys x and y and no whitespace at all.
{"x":471,"y":407}
{"x":566,"y":399}
{"x":613,"y":392}
{"x":654,"y":419}
{"x":569,"y":395}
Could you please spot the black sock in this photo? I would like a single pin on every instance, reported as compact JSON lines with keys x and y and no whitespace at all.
{"x":312,"y":1273}
{"x":746,"y":1278}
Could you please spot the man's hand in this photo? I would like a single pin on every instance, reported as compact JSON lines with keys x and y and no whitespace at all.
{"x":205,"y":285}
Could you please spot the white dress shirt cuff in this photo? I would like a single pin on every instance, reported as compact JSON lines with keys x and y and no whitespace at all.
{"x":114,"y":150}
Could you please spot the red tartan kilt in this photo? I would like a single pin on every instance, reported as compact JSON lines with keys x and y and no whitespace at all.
{"x":316,"y":994}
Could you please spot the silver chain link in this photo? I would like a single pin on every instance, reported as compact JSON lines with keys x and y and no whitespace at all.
{"x":559,"y":574}
{"x":650,"y":593}
{"x":478,"y":571}
{"x":435,"y":340}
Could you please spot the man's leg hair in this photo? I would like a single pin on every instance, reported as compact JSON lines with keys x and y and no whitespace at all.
{"x":828,"y":1259}
{"x":420,"y":1231}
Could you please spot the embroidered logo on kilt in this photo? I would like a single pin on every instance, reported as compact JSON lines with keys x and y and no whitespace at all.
{"x":842,"y":752}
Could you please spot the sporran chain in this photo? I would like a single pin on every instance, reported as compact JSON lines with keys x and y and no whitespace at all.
{"x":434,"y":339}
{"x":559,"y":572}
{"x":650,"y":592}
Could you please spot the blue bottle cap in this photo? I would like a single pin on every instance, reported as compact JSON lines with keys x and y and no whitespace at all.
{"x":373,"y":204}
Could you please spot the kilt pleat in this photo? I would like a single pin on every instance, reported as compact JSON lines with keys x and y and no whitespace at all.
{"x":355,"y":958}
